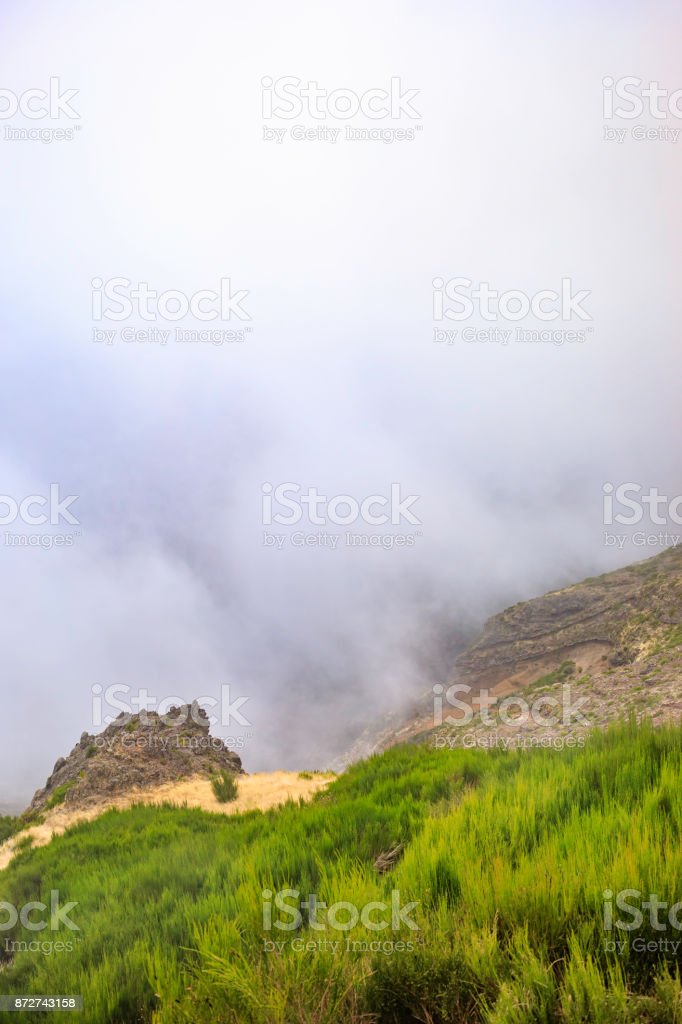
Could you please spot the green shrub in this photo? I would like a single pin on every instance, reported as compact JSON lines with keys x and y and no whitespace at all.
{"x":59,"y":795}
{"x":559,"y":675}
{"x":224,"y":787}
{"x":8,"y":826}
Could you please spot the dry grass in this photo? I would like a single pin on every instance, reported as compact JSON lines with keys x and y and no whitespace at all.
{"x":256,"y":792}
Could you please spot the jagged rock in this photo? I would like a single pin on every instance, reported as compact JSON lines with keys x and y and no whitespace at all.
{"x":140,"y":751}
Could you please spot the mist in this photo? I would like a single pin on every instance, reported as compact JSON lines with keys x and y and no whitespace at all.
{"x":169,"y":582}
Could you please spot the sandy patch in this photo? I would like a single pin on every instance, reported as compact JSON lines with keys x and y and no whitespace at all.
{"x":256,"y":792}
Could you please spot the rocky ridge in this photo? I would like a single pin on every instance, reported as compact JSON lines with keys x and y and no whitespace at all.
{"x":136,"y":752}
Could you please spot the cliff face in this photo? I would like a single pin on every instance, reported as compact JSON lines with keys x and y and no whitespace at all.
{"x":136,"y":751}
{"x":616,"y":638}
{"x":597,"y":611}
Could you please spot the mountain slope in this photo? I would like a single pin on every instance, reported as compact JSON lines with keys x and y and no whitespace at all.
{"x":616,"y":637}
{"x":505,"y":867}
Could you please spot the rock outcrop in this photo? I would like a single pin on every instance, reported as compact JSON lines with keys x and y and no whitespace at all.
{"x":136,"y":752}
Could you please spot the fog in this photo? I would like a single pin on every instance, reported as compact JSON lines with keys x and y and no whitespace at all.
{"x":168,"y":581}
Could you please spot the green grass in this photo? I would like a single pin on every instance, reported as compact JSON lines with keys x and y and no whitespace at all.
{"x":224,"y":786}
{"x":508,"y":854}
{"x":560,"y":675}
{"x":59,"y":795}
{"x":8,"y":826}
{"x":669,"y":640}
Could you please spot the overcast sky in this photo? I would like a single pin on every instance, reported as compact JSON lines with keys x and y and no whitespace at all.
{"x":167,"y":172}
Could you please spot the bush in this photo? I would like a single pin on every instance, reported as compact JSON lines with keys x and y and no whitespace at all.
{"x":224,"y":787}
{"x":59,"y":795}
{"x":8,"y":826}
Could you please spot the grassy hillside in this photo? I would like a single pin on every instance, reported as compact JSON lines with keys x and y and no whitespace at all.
{"x":508,"y":854}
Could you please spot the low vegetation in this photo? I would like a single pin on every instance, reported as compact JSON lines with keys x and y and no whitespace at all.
{"x":508,"y":855}
{"x":8,"y":826}
{"x":560,"y":675}
{"x":224,"y":787}
{"x":59,"y":795}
